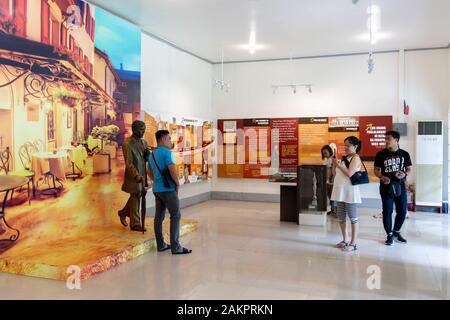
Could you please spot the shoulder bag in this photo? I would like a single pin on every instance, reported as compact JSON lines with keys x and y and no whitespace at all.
{"x":167,"y":178}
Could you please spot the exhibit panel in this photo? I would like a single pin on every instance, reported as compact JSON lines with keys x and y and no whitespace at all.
{"x":193,"y":144}
{"x":293,"y":142}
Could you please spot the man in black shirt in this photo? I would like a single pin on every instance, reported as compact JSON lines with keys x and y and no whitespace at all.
{"x":392,"y":166}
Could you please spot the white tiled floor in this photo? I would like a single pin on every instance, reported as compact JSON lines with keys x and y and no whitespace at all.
{"x":243,"y":251}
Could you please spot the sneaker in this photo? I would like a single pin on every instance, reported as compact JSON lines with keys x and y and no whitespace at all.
{"x":390,"y":240}
{"x":398,"y":238}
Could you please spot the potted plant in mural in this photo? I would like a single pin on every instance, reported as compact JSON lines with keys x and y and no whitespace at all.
{"x":108,"y":135}
{"x":63,"y":51}
{"x":67,"y":96}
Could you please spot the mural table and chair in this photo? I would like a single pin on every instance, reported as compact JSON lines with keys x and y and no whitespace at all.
{"x":7,"y":185}
{"x":77,"y":156}
{"x":6,"y":164}
{"x":50,"y":167}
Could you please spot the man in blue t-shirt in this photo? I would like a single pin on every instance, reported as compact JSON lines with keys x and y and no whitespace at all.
{"x":164,"y":174}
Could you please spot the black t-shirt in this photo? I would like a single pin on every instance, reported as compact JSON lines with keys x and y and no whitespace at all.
{"x":391,"y":162}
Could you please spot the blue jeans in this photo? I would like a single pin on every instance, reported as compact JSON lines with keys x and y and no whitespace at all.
{"x":401,"y":207}
{"x":170,"y":201}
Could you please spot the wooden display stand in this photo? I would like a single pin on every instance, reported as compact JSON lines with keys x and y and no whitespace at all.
{"x":102,"y":163}
{"x":288,"y":203}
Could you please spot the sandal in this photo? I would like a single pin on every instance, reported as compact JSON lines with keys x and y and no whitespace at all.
{"x":350,"y":248}
{"x":183,"y":251}
{"x":165,"y":248}
{"x":341,"y":245}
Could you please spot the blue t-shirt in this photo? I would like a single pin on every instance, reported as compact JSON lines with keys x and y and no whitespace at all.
{"x":164,"y":158}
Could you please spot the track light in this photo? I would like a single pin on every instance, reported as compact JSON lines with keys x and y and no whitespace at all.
{"x":293,"y":87}
{"x":220,"y":83}
{"x":370,"y":63}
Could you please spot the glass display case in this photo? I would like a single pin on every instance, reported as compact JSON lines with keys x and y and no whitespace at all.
{"x":312,"y":189}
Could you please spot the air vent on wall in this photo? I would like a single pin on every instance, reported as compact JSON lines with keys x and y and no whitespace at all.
{"x":430,"y":128}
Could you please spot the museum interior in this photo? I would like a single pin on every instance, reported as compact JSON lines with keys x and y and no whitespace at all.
{"x":304,"y":143}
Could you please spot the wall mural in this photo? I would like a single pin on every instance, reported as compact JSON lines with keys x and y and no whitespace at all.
{"x":70,"y":77}
{"x":64,"y":72}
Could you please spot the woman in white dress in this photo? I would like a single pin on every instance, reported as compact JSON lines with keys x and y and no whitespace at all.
{"x":346,"y":195}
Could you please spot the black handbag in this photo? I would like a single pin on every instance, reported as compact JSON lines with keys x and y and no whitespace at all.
{"x":395,"y":189}
{"x":167,"y":178}
{"x":359,"y":177}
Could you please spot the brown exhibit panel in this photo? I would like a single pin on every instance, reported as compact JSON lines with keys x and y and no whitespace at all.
{"x":230,"y":148}
{"x":244,"y":152}
{"x":372,"y":134}
{"x":284,"y":148}
{"x":312,"y":135}
{"x":179,"y":142}
{"x":257,"y":148}
{"x":231,"y":161}
{"x":232,"y":171}
{"x":339,"y":129}
{"x":151,"y":127}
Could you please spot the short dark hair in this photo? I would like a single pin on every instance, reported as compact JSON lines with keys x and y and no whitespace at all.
{"x":136,"y":125}
{"x":393,"y":134}
{"x":160,"y":134}
{"x":328,"y":148}
{"x":355,"y":142}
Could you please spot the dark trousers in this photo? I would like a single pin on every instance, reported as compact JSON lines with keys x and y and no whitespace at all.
{"x":401,"y":208}
{"x":169,"y":201}
{"x":132,"y":209}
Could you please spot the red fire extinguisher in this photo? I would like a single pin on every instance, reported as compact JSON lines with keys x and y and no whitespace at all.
{"x":411,"y":198}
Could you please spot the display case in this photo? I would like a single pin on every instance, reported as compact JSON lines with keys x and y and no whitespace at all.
{"x":312,"y":198}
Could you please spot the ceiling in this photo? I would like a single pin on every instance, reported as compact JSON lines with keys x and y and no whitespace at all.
{"x":286,"y":28}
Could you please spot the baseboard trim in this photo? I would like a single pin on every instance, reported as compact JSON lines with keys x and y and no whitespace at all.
{"x":429,"y":209}
{"x":185,"y":202}
{"x":371,"y":203}
{"x":248,"y":197}
{"x":242,"y":196}
{"x":275,"y":198}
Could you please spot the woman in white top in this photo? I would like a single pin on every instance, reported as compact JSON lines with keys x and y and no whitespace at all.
{"x":345,"y":194}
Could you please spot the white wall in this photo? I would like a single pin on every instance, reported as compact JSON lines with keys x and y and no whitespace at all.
{"x":342,"y":86}
{"x":177,"y":83}
{"x":174,"y":82}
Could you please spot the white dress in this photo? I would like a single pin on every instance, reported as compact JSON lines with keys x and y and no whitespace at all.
{"x":343,"y":190}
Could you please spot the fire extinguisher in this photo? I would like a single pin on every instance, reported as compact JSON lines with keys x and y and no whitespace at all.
{"x":411,"y":198}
